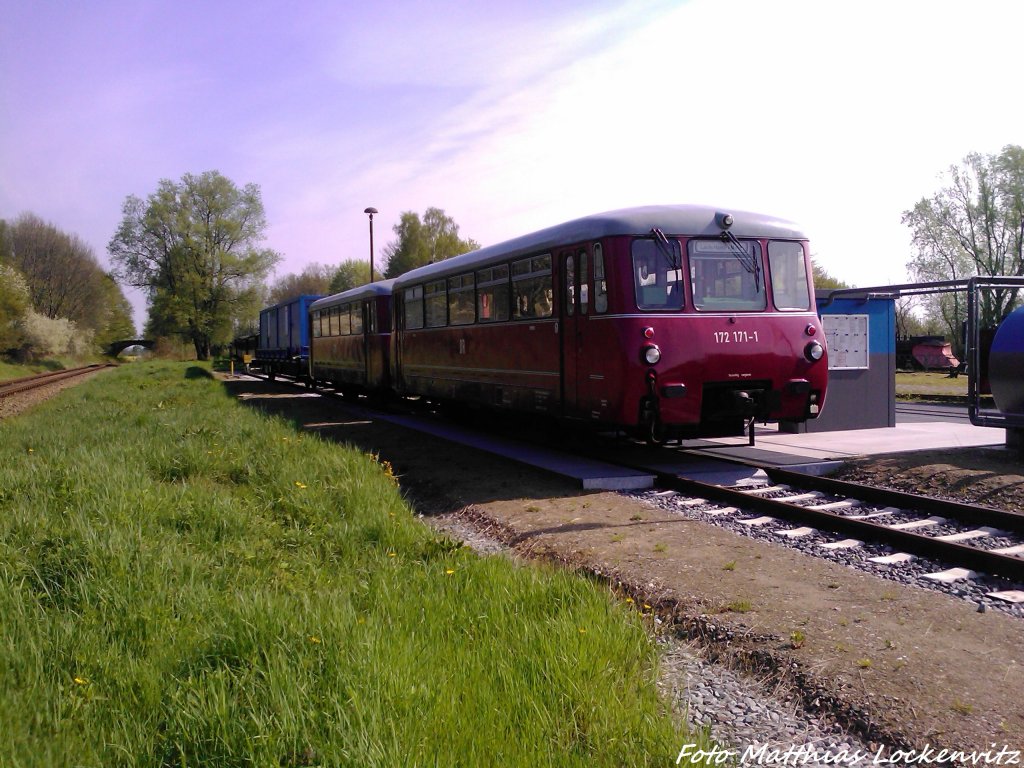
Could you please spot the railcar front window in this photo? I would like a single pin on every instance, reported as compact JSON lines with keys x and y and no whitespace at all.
{"x":789,"y":276}
{"x":726,"y":276}
{"x":657,"y":274}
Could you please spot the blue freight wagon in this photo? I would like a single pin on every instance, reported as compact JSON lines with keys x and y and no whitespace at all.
{"x":284,"y":338}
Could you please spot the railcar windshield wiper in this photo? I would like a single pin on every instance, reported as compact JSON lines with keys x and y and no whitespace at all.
{"x":670,"y":254}
{"x":747,"y":258}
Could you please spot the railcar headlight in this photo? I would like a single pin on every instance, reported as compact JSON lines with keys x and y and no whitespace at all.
{"x":814,"y":351}
{"x":651,"y":354}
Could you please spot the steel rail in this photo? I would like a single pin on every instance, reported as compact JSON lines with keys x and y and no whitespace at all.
{"x":26,"y":383}
{"x":961,"y":511}
{"x":912,"y":543}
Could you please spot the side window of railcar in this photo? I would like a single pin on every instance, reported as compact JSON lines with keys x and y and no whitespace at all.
{"x":789,"y":275}
{"x":357,"y":318}
{"x":371,"y":316}
{"x":570,"y":285}
{"x":414,"y":307}
{"x":332,"y":322}
{"x":657,"y":273}
{"x":531,"y":287}
{"x":316,"y":324}
{"x":726,"y":276}
{"x":436,"y":306}
{"x":600,"y":283}
{"x":584,"y":283}
{"x":460,"y":300}
{"x":344,"y":320}
{"x":492,"y":294}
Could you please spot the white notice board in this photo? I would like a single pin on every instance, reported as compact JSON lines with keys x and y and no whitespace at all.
{"x":847,"y":339}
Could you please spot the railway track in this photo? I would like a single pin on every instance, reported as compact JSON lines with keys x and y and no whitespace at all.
{"x":26,"y":383}
{"x":949,"y":542}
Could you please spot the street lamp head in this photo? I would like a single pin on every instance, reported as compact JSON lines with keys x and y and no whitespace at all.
{"x":370,"y":211}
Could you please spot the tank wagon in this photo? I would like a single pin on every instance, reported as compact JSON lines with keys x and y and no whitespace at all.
{"x":663,"y":321}
{"x":283,"y":345}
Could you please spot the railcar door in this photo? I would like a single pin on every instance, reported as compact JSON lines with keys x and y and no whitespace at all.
{"x":575,"y":307}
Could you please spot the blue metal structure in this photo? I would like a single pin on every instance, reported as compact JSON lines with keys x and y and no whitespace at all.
{"x":284,"y":337}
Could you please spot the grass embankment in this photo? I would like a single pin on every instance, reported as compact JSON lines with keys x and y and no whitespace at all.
{"x":10,"y":371}
{"x":185,"y":582}
{"x":924,"y":383}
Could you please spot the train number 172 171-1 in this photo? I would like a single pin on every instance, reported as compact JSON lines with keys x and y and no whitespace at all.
{"x":729,"y":337}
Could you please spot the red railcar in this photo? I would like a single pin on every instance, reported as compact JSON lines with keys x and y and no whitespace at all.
{"x":668,"y":321}
{"x":350,"y":339}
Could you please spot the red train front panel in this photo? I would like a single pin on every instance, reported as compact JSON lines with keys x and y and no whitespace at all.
{"x":689,"y":346}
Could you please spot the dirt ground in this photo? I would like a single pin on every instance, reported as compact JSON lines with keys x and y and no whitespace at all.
{"x":993,"y":477}
{"x":899,"y":665}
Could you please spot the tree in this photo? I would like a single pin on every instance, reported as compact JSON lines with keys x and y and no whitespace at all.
{"x":194,"y":247}
{"x":351,"y":274}
{"x":64,"y":279}
{"x":14,"y":303}
{"x":974,"y":226}
{"x":313,"y":280}
{"x":118,"y":323}
{"x":823,"y":280}
{"x":434,"y":238}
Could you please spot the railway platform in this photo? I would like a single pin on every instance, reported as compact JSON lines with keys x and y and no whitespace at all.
{"x":709,"y":460}
{"x":820,"y":452}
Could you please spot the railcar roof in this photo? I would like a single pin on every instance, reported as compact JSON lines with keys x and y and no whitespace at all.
{"x":688,"y":220}
{"x":307,"y":297}
{"x":368,"y":291}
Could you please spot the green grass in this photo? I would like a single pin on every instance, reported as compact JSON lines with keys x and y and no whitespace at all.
{"x":17,"y":370}
{"x":184,"y":582}
{"x":930,"y":383}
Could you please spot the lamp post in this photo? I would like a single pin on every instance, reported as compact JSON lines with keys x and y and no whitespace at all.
{"x":369,"y":212}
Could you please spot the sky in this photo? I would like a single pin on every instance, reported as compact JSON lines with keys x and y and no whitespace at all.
{"x":509,"y":115}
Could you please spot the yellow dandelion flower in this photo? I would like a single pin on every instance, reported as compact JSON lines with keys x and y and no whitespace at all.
{"x":647,"y":607}
{"x":583,"y":631}
{"x":629,"y":599}
{"x":81,"y":681}
{"x":30,"y":450}
{"x":299,"y":485}
{"x":314,"y":639}
{"x":392,"y":554}
{"x":449,"y":571}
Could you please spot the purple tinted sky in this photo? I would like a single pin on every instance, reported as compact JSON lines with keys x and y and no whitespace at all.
{"x":509,"y":115}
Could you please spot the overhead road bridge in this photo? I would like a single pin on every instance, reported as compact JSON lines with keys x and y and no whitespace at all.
{"x":117,"y":347}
